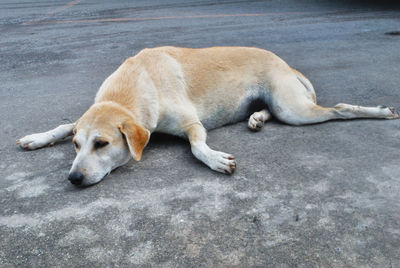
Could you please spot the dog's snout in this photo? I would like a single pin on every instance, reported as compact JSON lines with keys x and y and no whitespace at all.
{"x":76,"y":178}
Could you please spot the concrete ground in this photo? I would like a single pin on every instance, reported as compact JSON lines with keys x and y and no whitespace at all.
{"x":321,"y":195}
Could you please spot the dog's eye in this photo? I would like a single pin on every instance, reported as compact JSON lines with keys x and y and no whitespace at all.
{"x":76,"y":145}
{"x":100,"y":144}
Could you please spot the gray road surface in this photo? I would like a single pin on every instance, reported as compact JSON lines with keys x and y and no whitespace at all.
{"x":326,"y":194}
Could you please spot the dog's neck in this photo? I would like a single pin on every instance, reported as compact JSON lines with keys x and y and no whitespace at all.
{"x":139,"y":117}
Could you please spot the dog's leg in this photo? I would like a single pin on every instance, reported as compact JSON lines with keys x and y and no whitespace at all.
{"x":218,"y":161}
{"x":257,"y":119}
{"x":347,"y":111}
{"x":311,"y":113}
{"x":38,"y":140}
{"x":291,"y":104}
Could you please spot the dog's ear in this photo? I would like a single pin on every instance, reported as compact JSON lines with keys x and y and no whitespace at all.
{"x":136,"y":136}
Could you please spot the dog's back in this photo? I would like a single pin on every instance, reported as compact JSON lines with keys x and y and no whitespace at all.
{"x":220,"y":84}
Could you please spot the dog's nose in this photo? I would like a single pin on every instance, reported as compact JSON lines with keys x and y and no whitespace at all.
{"x":76,"y":178}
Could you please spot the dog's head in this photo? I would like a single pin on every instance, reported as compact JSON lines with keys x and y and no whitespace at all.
{"x":105,"y":137}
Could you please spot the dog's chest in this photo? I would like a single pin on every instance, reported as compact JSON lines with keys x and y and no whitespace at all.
{"x":170,"y":123}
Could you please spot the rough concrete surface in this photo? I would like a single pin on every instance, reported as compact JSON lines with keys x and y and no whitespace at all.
{"x":322,"y":195}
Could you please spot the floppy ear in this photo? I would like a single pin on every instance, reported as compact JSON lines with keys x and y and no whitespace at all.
{"x":136,"y":136}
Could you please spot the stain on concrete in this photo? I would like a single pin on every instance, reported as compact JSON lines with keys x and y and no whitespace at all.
{"x":81,"y":234}
{"x":209,"y":199}
{"x":142,"y":253}
{"x":28,"y":188}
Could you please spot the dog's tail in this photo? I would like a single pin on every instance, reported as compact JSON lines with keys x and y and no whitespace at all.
{"x":306,"y":83}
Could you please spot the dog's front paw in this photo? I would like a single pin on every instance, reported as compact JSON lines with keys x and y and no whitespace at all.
{"x":34,"y":141}
{"x":222,"y":162}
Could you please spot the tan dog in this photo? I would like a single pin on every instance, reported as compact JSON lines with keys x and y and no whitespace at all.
{"x":183,"y":92}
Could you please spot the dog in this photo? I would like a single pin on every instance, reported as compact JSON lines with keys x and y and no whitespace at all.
{"x":184,"y":92}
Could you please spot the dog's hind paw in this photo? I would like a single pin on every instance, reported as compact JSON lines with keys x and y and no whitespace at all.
{"x":256,"y":121}
{"x":395,"y":113}
{"x":391,"y":111}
